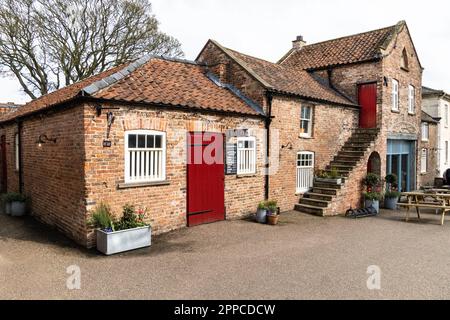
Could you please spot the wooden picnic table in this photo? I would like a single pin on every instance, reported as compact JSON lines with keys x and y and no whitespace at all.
{"x":431,"y":199}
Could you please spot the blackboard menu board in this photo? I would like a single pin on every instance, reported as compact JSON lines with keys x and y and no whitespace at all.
{"x":231,"y":159}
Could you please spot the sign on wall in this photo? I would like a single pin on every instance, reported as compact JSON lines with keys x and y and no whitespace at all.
{"x":231,"y":159}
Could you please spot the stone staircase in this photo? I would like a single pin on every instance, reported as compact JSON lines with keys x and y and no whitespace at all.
{"x":318,"y":201}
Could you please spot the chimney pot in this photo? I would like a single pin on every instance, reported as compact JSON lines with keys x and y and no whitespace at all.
{"x":298,"y":43}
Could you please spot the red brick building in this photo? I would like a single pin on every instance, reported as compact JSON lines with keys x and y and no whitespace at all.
{"x":129,"y":135}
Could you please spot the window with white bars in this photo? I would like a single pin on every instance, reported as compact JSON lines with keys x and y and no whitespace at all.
{"x":411,"y":99}
{"x":395,"y":100}
{"x":145,"y":156}
{"x":306,"y":120}
{"x":425,"y":131}
{"x":424,"y":161}
{"x":246,"y":155}
{"x":305,"y":171}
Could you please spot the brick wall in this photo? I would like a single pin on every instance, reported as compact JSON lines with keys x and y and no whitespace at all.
{"x":427,"y":179}
{"x":332,"y":126}
{"x":166,"y":204}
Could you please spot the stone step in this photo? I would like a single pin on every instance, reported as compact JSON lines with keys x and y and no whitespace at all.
{"x":341,"y":166}
{"x":327,"y":185}
{"x":356,"y":145}
{"x":339,"y":158}
{"x":310,"y":209}
{"x":341,"y":173}
{"x":352,"y":153}
{"x":343,"y":163}
{"x":363,"y":130}
{"x":315,"y":202}
{"x":324,"y":191}
{"x":318,"y":196}
{"x":360,"y":140}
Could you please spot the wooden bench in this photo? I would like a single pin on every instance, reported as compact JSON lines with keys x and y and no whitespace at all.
{"x":439,"y":201}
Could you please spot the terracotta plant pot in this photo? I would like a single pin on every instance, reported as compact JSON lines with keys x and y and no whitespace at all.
{"x":272,"y":220}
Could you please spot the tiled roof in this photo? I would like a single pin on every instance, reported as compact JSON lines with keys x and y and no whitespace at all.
{"x":278,"y":78}
{"x":150,"y":80}
{"x":59,"y":96}
{"x":176,"y":83}
{"x":351,"y":49}
{"x":429,"y":91}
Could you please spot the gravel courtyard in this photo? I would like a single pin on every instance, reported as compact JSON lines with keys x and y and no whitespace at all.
{"x":305,"y":257}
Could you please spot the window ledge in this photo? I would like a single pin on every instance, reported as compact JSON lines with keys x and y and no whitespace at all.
{"x":246,"y":175}
{"x":412,"y":113}
{"x":124,"y":185}
{"x":395,"y":111}
{"x":425,"y":140}
{"x":305,"y":137}
{"x":404,"y":69}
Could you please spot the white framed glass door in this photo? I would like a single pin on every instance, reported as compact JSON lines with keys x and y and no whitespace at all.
{"x":305,"y":171}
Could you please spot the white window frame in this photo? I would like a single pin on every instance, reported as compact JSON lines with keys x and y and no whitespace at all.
{"x":310,"y":121}
{"x":300,"y":179}
{"x":147,"y":178}
{"x":16,"y":151}
{"x":411,"y":99}
{"x":425,"y":131}
{"x":246,"y":157}
{"x":424,"y":161}
{"x":446,"y":112}
{"x":395,"y":95}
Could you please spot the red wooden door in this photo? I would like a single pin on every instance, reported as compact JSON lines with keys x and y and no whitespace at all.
{"x":3,"y":166}
{"x":205,"y":179}
{"x":367,"y":98}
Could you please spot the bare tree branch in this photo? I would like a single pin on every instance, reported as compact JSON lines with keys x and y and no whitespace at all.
{"x":49,"y":43}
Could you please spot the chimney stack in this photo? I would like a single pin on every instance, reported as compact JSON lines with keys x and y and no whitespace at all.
{"x":298,"y":43}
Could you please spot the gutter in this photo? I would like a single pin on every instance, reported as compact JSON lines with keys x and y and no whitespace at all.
{"x":268,"y":121}
{"x":19,"y":134}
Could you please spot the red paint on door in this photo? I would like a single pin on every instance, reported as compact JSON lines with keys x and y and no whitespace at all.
{"x":367,"y":98}
{"x":3,"y":166}
{"x":205,"y":179}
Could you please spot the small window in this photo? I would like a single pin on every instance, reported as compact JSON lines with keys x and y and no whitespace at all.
{"x":425,"y":131}
{"x":411,"y":99}
{"x":246,"y":155}
{"x":405,"y":62}
{"x":446,"y":152}
{"x":424,"y":161}
{"x":306,"y":121}
{"x":17,"y":151}
{"x":395,"y":100}
{"x":145,"y":156}
{"x":446,"y":115}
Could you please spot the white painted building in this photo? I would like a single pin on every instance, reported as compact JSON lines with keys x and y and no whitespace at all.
{"x":437,"y":103}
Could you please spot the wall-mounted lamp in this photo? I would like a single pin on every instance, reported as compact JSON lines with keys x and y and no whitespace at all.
{"x":44,"y":139}
{"x":289,"y":146}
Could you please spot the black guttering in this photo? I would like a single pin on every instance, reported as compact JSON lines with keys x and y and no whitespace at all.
{"x":268,"y":121}
{"x":19,"y":134}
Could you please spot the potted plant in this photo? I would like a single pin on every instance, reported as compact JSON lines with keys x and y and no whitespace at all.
{"x":272,"y":215}
{"x":128,"y":233}
{"x":6,"y":203}
{"x":372,"y":199}
{"x":392,"y":195}
{"x":261,"y":213}
{"x":18,"y":205}
{"x":328,"y":177}
{"x":372,"y":195}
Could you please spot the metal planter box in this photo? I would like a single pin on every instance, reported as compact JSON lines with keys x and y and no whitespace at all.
{"x":125,"y":240}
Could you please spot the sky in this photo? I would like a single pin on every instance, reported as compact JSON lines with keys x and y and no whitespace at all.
{"x":266,"y":28}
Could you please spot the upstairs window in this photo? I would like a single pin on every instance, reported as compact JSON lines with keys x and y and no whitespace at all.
{"x":411,"y":99}
{"x":395,"y":102}
{"x":246,"y":155}
{"x":425,"y":131}
{"x":404,"y":62}
{"x":145,"y":156}
{"x":306,"y":122}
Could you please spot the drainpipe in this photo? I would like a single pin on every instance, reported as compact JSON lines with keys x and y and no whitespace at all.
{"x":19,"y":134}
{"x":268,"y":121}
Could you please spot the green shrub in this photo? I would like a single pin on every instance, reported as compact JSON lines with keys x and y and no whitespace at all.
{"x":334,"y":174}
{"x":372,"y":196}
{"x":262,"y":206}
{"x":270,"y":205}
{"x":392,"y":194}
{"x":102,"y":218}
{"x":371,"y":180}
{"x":391,"y":179}
{"x":14,"y":197}
{"x":130,"y":219}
